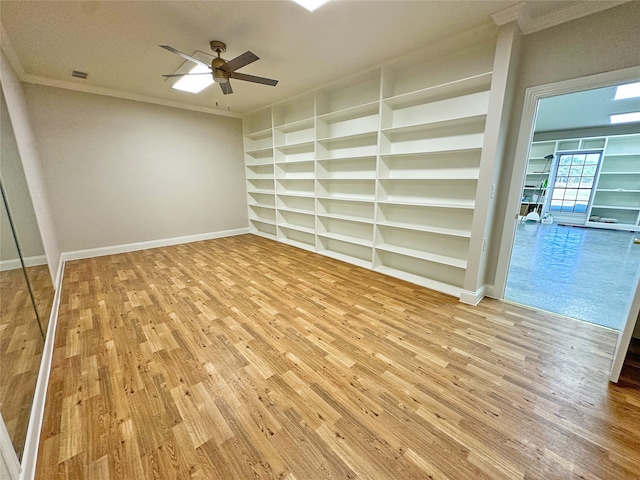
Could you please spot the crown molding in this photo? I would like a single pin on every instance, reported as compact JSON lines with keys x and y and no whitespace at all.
{"x":528,"y":24}
{"x":517,"y":13}
{"x":49,"y":82}
{"x":567,"y":14}
{"x":10,"y":54}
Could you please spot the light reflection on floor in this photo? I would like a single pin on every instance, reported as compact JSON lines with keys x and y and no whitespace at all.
{"x":583,"y":273}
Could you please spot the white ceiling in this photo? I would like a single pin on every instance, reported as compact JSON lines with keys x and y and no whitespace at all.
{"x":116,"y":42}
{"x":587,"y":109}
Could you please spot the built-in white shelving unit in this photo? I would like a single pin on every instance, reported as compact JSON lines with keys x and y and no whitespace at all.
{"x":380,"y":170}
{"x":617,"y":192}
{"x":536,"y":181}
{"x":616,"y":195}
{"x":260,"y":173}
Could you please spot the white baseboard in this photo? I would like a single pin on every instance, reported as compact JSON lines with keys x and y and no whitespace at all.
{"x":9,"y":464}
{"x":30,"y":453}
{"x":15,"y":263}
{"x":472,"y":298}
{"x":490,"y":291}
{"x":132,"y":247}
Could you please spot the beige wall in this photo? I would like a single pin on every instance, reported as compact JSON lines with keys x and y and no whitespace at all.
{"x":595,"y":44}
{"x":119,"y":171}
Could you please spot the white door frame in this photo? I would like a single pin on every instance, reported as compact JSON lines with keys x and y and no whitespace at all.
{"x":625,"y":336}
{"x":532,"y":97}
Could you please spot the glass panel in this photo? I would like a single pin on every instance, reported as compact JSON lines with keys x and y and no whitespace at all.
{"x":571,"y":194}
{"x":576,"y":170}
{"x":561,"y":182}
{"x":574,"y":182}
{"x":584,"y":195}
{"x":586,"y":182}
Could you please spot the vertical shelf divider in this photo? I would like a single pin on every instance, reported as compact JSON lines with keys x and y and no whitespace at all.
{"x":380,"y":169}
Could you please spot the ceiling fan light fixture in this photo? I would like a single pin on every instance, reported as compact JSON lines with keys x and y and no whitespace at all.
{"x":630,"y":90}
{"x":194,"y":83}
{"x":631,"y":117}
{"x":311,"y":5}
{"x":220,"y":76}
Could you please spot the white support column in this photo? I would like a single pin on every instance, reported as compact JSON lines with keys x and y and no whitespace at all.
{"x":500,"y":100}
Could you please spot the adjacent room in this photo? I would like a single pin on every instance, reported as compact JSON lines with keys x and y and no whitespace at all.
{"x":303,"y":240}
{"x":576,"y":247}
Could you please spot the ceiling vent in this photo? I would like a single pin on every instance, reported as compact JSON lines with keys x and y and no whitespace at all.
{"x":78,"y":74}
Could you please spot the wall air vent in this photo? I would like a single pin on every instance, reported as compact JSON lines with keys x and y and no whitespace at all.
{"x":78,"y":74}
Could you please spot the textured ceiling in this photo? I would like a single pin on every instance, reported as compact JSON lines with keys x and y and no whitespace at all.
{"x":116,"y":42}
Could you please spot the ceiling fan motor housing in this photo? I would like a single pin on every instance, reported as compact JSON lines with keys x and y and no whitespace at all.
{"x":218,"y":46}
{"x":217,"y":62}
{"x":221,"y":69}
{"x":219,"y":74}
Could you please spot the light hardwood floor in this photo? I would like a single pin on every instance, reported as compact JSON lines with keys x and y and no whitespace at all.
{"x":243,"y":358}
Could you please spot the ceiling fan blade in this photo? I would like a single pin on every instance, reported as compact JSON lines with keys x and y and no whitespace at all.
{"x":245,"y":59}
{"x":185,"y":74}
{"x":226,"y":88}
{"x":184,"y":55}
{"x":253,"y":78}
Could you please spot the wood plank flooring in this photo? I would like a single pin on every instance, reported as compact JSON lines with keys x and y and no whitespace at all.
{"x":243,"y":358}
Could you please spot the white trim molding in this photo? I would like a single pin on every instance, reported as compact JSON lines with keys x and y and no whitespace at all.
{"x":473,"y":298}
{"x":133,"y":247}
{"x":108,"y":92}
{"x":567,"y":14}
{"x":9,"y":464}
{"x":516,"y":13}
{"x":34,"y":429}
{"x":624,"y":338}
{"x":10,"y":52}
{"x":521,"y":13}
{"x":15,"y":263}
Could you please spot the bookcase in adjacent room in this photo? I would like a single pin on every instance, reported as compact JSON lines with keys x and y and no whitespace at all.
{"x":615,"y":201}
{"x":617,"y":193}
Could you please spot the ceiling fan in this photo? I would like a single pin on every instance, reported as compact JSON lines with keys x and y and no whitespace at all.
{"x":221,"y":69}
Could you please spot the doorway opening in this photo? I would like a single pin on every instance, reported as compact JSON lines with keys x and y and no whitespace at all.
{"x":577,"y":239}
